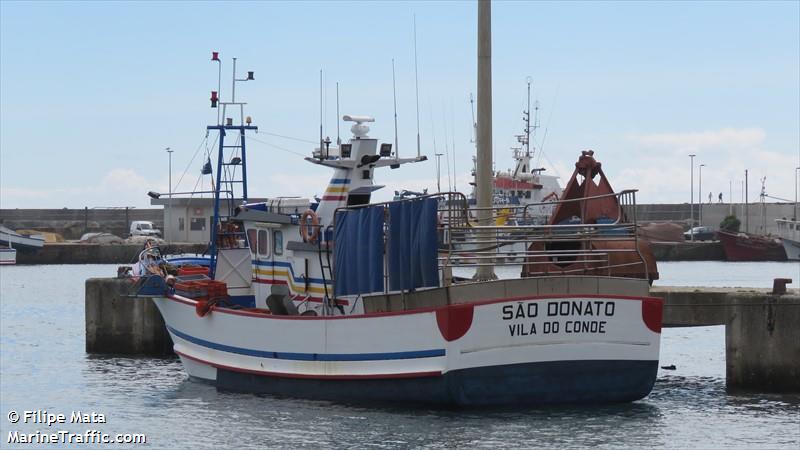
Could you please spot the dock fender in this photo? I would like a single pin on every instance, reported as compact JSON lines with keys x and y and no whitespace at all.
{"x":454,"y":321}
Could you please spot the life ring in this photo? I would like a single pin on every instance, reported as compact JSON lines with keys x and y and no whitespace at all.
{"x":312,"y":234}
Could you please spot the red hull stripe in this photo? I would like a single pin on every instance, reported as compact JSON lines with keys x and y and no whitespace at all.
{"x":334,"y":197}
{"x":306,"y":376}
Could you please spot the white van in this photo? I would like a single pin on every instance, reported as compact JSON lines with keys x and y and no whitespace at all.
{"x":144,"y":228}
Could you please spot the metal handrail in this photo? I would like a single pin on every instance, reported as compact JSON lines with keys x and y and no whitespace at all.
{"x":463,"y":242}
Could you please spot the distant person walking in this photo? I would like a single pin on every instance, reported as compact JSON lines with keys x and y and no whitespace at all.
{"x":720,"y":197}
{"x":710,"y":196}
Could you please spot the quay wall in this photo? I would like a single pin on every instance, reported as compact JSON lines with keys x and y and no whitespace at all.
{"x":688,"y":251}
{"x":713,"y":213}
{"x":80,"y":253}
{"x":72,"y":223}
{"x":122,"y":325}
{"x":762,"y":336}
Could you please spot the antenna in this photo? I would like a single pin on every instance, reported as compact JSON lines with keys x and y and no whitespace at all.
{"x":474,"y":124}
{"x":416,"y":81}
{"x":446,"y":147}
{"x":453,"y":143}
{"x":233,"y":82}
{"x":338,"y":139}
{"x":433,"y":127}
{"x":321,"y":142}
{"x":394,"y":96}
{"x":215,"y":57}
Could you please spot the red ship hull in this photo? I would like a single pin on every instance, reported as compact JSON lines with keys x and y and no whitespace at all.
{"x":751,"y":247}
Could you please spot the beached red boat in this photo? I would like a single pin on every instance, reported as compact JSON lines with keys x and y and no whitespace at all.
{"x":751,"y":247}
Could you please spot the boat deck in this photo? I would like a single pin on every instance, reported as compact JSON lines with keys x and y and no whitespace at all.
{"x":478,"y":292}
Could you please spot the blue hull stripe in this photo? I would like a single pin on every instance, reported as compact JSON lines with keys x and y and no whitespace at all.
{"x":291,"y":270}
{"x":340,"y":181}
{"x":310,"y":356}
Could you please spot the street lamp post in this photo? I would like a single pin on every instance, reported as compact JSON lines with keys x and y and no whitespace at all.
{"x":691,"y":202}
{"x":168,"y":225}
{"x":700,"y":195}
{"x":746,"y":204}
{"x":796,"y":170}
{"x":730,"y":197}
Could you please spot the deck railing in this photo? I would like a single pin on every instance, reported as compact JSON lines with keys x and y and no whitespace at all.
{"x":509,"y":239}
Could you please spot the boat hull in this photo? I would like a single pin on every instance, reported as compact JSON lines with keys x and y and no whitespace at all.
{"x":792,"y":249}
{"x":524,"y":350}
{"x":13,"y":239}
{"x":751,"y":247}
{"x":8,"y":256}
{"x":540,"y":383}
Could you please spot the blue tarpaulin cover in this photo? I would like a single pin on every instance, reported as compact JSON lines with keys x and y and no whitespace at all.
{"x":413,"y":244}
{"x":358,"y":251}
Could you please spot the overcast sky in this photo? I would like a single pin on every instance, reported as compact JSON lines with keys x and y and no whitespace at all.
{"x":92,"y":93}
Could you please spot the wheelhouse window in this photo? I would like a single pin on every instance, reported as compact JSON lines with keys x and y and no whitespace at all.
{"x":277,"y":237}
{"x":263,"y":243}
{"x":252,"y":239}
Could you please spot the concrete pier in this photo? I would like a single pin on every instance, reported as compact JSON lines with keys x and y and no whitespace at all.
{"x":762,"y":332}
{"x":122,"y":325}
{"x":688,"y":251}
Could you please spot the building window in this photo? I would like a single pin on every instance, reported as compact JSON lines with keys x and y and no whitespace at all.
{"x":197,"y":224}
{"x":253,"y":240}
{"x":181,"y":224}
{"x":263,"y":243}
{"x":277,"y":237}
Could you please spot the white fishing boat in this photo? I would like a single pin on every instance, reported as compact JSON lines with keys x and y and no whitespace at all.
{"x":11,"y":238}
{"x":523,"y":195}
{"x":8,"y":255}
{"x":343,"y":308}
{"x":789,"y":232}
{"x":362,"y":302}
{"x":524,"y":185}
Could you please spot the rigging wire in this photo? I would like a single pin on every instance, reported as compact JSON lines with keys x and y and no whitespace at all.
{"x":286,"y":137}
{"x":279,"y":147}
{"x":203,"y":141}
{"x":544,"y":137}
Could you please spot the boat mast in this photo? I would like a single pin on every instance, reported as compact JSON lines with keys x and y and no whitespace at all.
{"x":528,"y":122}
{"x":394,"y":97}
{"x":763,"y":201}
{"x":416,"y":82}
{"x":483,"y":176}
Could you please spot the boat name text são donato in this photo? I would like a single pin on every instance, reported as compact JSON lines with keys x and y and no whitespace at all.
{"x":585,"y":312}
